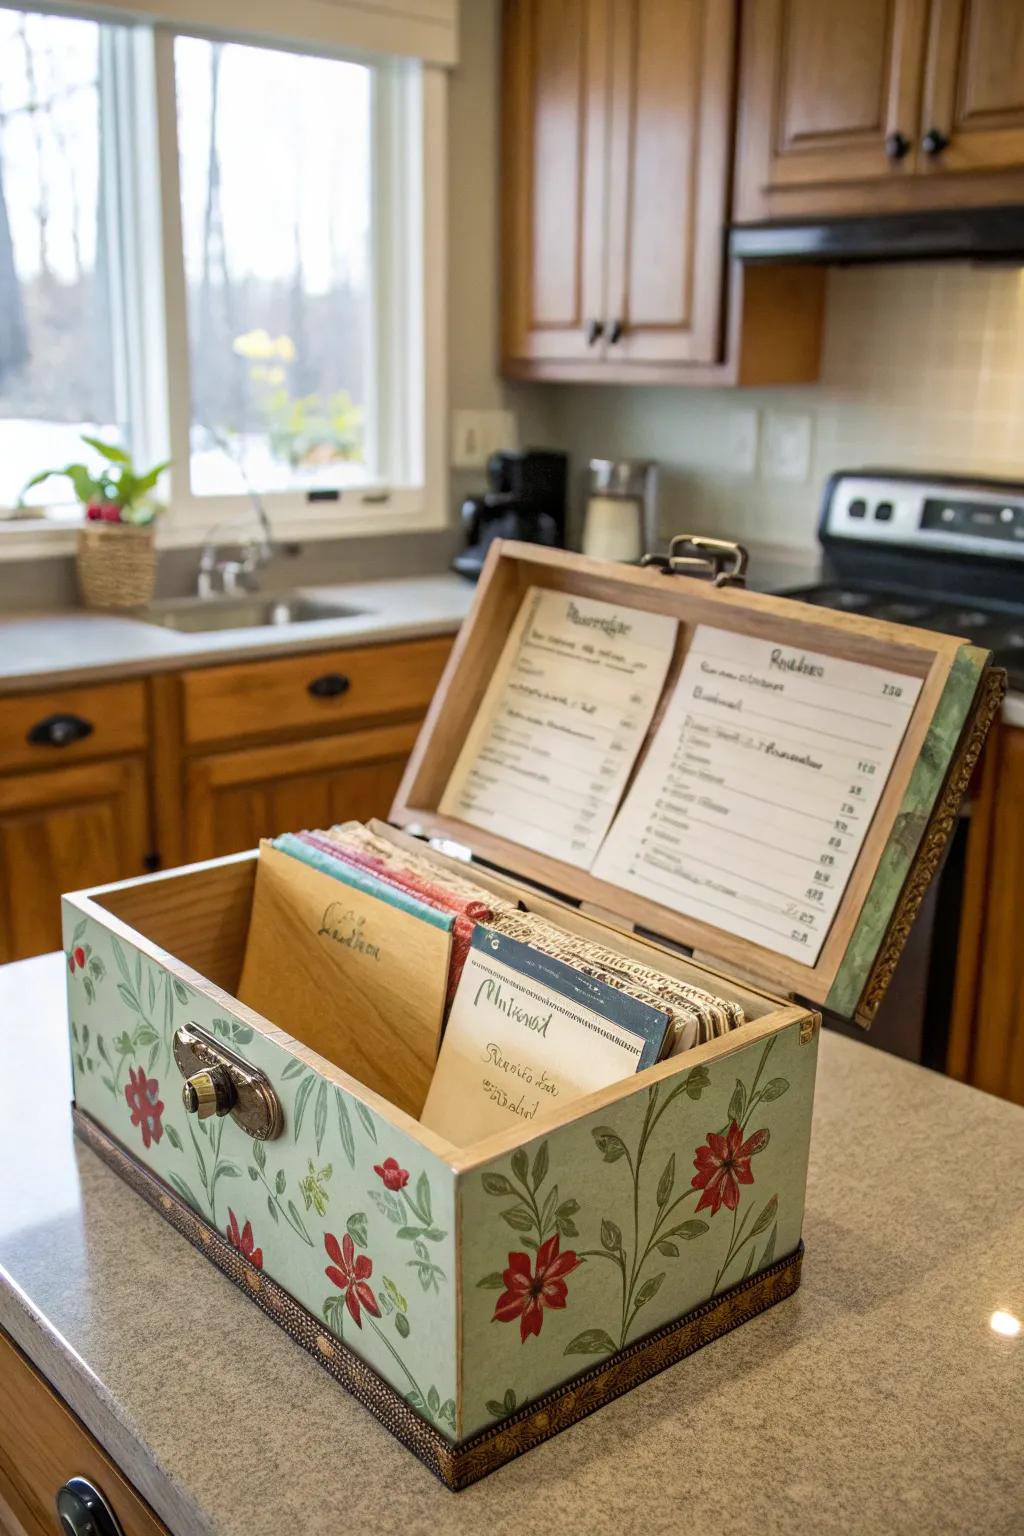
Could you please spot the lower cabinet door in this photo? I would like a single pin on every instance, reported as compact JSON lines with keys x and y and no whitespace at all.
{"x":232,"y":799}
{"x":44,"y":1450}
{"x":60,"y":831}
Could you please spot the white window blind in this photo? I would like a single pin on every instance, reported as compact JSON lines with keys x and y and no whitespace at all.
{"x":421,"y":29}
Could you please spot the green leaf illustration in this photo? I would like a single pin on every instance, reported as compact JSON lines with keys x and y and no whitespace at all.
{"x":356,"y":1228}
{"x":108,"y":1082}
{"x":592,"y":1341}
{"x":183,"y":1190}
{"x":540,"y":1166}
{"x":254,"y":1173}
{"x":696,"y":1081}
{"x":396,"y":1295}
{"x":180,"y":991}
{"x":749,"y":1265}
{"x":410,"y":1232}
{"x":402,"y":1324}
{"x":279,"y":1182}
{"x":320,"y":1114}
{"x":367,"y":1121}
{"x":423,"y":1197}
{"x":495,"y":1409}
{"x":127,"y":995}
{"x":272,"y":1208}
{"x":738,"y":1102}
{"x":648,"y":1291}
{"x":152,"y":991}
{"x":96,"y":967}
{"x":775,"y":1089}
{"x":520,"y":1165}
{"x":259,"y":1153}
{"x":174,"y":1138}
{"x":769,"y":1247}
{"x":120,"y":958}
{"x":609,"y":1143}
{"x":79,"y":930}
{"x":348,"y":1141}
{"x":433,"y":1400}
{"x":492,"y":1282}
{"x":511,"y":1403}
{"x":687,"y":1230}
{"x":301,"y":1100}
{"x":611,"y":1236}
{"x":230,"y":1029}
{"x":766,"y":1217}
{"x":666,"y":1182}
{"x":295,"y":1068}
{"x":497,"y":1184}
{"x":518,"y":1218}
{"x":547,"y":1215}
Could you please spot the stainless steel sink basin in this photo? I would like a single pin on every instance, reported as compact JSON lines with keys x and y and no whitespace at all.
{"x":197,"y":615}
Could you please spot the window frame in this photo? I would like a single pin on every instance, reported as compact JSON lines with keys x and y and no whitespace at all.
{"x":410,"y":159}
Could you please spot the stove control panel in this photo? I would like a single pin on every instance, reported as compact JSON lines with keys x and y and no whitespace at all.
{"x":958,"y":515}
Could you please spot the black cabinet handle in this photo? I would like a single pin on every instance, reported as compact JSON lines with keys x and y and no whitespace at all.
{"x":615,"y":331}
{"x":59,"y":731}
{"x":897,"y":145}
{"x":331,"y":686}
{"x":595,"y":330}
{"x":83,"y":1511}
{"x":934,"y":142}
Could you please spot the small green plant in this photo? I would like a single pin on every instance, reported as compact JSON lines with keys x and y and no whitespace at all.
{"x":117,"y":493}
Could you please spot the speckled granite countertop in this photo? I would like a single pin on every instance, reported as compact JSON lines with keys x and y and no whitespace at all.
{"x":877,"y":1400}
{"x":46,"y":650}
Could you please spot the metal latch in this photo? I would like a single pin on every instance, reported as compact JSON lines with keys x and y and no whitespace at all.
{"x":694,"y":554}
{"x":220,"y":1082}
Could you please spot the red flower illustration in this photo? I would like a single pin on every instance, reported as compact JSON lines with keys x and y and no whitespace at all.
{"x":244,"y":1241}
{"x":393,"y":1176}
{"x":71,"y":964}
{"x":79,"y":955}
{"x":723,"y":1165}
{"x":350,"y":1275}
{"x":527,"y":1294}
{"x":141,"y":1093}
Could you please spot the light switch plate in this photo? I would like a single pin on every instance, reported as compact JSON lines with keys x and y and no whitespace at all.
{"x":786,"y":445}
{"x":478,"y":434}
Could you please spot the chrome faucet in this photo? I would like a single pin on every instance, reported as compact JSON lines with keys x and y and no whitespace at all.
{"x":235,"y":575}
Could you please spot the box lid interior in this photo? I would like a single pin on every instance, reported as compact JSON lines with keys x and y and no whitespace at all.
{"x":903,"y":843}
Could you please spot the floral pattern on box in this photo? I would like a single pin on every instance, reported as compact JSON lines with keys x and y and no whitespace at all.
{"x":585,"y":1241}
{"x":352,"y":1216}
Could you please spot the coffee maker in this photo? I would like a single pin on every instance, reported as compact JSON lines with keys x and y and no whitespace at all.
{"x":525,"y":499}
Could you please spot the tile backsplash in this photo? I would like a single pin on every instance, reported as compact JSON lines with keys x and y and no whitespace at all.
{"x":923,"y":367}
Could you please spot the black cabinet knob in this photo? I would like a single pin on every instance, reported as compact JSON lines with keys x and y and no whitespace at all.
{"x":595,"y":330}
{"x":331,"y":686}
{"x":615,"y":331}
{"x":896,"y":146}
{"x":934,"y":142}
{"x":59,"y":731}
{"x":83,"y":1511}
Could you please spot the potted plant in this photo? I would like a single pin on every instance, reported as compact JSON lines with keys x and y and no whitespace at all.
{"x":116,"y":556}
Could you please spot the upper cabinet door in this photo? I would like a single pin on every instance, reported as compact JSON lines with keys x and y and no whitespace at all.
{"x":556,"y":64}
{"x":673,"y":65}
{"x":829,"y":95}
{"x":973,"y":115}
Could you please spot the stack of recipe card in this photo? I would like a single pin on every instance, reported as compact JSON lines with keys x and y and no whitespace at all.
{"x":367,"y":949}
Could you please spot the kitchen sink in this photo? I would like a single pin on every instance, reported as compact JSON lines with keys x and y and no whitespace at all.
{"x":198,"y":615}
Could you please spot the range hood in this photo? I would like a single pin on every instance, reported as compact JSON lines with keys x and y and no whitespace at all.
{"x":985,"y":234}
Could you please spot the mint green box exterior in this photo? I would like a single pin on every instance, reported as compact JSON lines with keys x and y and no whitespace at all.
{"x":471,"y":1284}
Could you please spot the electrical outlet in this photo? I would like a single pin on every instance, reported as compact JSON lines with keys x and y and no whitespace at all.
{"x":786,"y":446}
{"x":741,"y":445}
{"x":478,"y":434}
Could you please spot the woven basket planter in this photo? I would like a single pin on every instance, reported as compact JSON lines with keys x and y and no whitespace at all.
{"x":116,"y":565}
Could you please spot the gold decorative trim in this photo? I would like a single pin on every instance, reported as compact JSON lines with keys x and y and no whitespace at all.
{"x":456,"y":1465}
{"x":933,"y":845}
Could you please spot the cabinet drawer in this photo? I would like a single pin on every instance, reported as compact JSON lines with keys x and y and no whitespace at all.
{"x":323,"y":689}
{"x":44,"y":730}
{"x":42,"y":1444}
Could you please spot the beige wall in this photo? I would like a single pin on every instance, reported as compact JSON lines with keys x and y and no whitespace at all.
{"x":923,"y":368}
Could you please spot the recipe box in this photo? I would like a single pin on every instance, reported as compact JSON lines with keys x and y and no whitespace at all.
{"x":313,"y":1179}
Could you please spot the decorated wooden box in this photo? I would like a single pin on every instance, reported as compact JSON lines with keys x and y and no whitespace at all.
{"x":479,"y":1299}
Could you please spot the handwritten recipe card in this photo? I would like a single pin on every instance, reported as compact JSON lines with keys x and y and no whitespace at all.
{"x":561,"y":725}
{"x":753,"y":802}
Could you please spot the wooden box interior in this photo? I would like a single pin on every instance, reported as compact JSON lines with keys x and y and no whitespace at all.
{"x":511,"y":570}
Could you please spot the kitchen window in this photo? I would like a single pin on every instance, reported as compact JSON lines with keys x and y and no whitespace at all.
{"x":220,"y":253}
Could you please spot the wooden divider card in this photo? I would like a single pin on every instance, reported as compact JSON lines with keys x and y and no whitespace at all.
{"x":758,"y":788}
{"x":548,"y":756}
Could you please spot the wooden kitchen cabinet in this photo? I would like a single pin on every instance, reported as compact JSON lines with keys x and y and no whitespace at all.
{"x":617,"y":141}
{"x":987,"y":1035}
{"x":60,"y":831}
{"x":42,"y":1444}
{"x":878,"y":106}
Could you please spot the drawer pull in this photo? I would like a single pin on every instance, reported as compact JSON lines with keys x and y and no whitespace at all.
{"x":59,"y":731}
{"x":83,"y":1511}
{"x":331,"y":686}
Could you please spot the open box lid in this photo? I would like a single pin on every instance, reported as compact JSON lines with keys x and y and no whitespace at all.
{"x":958,"y":696}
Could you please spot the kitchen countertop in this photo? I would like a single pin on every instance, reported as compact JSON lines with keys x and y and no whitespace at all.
{"x":878,"y":1399}
{"x":48,"y":650}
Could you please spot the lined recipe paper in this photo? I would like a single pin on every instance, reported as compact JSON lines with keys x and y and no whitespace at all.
{"x":562,"y":722}
{"x":758,"y":789}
